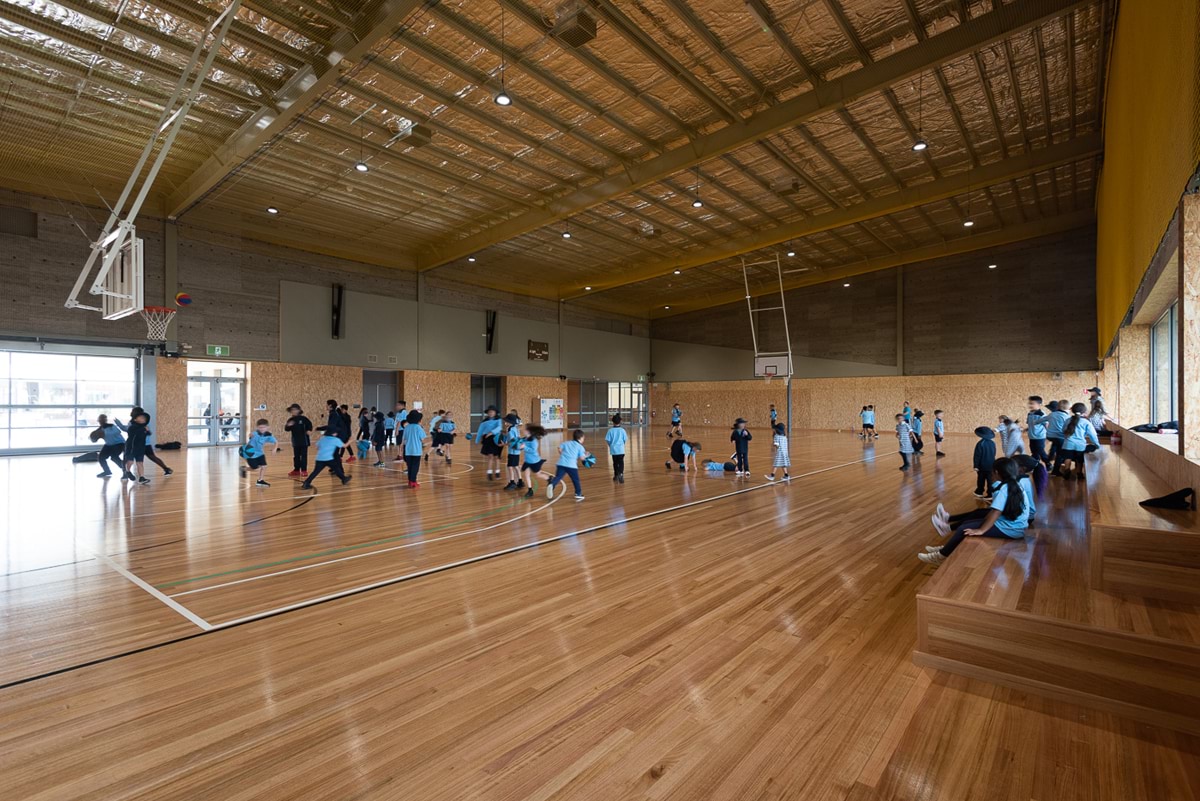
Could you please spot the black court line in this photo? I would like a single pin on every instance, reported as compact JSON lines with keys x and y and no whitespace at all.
{"x":432,"y":571}
{"x":285,"y":511}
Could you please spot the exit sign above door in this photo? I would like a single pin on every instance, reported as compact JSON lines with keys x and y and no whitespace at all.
{"x":217,"y":350}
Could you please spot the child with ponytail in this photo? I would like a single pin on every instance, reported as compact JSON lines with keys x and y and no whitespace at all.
{"x":1007,"y":517}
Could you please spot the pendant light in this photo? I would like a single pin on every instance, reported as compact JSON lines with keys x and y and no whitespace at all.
{"x":920,"y":144}
{"x":502,"y":98}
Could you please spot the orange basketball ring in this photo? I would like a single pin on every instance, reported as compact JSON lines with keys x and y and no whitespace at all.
{"x":157,"y":319}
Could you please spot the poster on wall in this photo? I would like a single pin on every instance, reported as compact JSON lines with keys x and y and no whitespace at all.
{"x":552,"y":414}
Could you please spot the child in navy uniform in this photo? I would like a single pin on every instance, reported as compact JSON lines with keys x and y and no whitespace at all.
{"x":918,"y":426}
{"x":255,"y":451}
{"x":939,"y":432}
{"x":681,"y":452}
{"x":135,"y":448}
{"x":328,"y":447}
{"x":740,"y":438}
{"x":983,"y":461}
{"x":299,"y":427}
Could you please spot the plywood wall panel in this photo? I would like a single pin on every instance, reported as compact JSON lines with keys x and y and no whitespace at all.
{"x":520,"y":392}
{"x":170,"y":421}
{"x":280,"y":385}
{"x":438,"y":389}
{"x":834,"y":403}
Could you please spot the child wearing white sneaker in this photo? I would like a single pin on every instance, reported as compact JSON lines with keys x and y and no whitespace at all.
{"x":569,"y":454}
{"x":779,"y":444}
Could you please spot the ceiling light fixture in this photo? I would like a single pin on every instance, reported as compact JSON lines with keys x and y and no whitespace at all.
{"x":666,"y":307}
{"x":697,"y":203}
{"x":845,"y":285}
{"x":588,"y":288}
{"x":677,"y":272}
{"x":272,"y":210}
{"x":502,"y":97}
{"x":991,"y":266}
{"x":791,"y":251}
{"x":566,"y":232}
{"x":361,"y":164}
{"x":968,"y":223}
{"x":471,"y":259}
{"x":920,"y":144}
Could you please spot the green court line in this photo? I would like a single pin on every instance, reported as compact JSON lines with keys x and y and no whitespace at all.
{"x":334,"y":551}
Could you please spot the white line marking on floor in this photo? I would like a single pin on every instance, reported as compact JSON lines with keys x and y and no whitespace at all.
{"x":175,"y":605}
{"x":412,"y":544}
{"x":528,"y":545}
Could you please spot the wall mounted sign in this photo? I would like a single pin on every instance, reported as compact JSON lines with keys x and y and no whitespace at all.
{"x":539,"y":351}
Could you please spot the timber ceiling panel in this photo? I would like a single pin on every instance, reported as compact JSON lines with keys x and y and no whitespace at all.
{"x":792,"y":120}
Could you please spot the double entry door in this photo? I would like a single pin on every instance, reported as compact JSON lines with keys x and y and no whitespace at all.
{"x":216,"y":407}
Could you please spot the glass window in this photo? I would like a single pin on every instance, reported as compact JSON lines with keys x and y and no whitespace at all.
{"x":52,"y":400}
{"x":1163,"y":366}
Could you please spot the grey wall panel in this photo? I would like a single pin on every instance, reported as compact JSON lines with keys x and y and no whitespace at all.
{"x":453,"y":339}
{"x":383,"y":327}
{"x":599,"y":354}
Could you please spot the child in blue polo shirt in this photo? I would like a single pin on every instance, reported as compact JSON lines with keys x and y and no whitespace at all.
{"x":531,"y":453}
{"x":328,"y":447}
{"x":616,"y":439}
{"x":569,"y":454}
{"x":255,"y":451}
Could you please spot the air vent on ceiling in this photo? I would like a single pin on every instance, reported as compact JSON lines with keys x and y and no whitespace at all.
{"x":575,"y":26}
{"x":418,"y":136}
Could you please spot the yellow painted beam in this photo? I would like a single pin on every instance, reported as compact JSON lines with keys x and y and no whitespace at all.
{"x":828,"y":96}
{"x":954,"y":247}
{"x":917,"y":195}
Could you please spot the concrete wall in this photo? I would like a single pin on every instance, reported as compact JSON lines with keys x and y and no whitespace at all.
{"x":1035,"y":311}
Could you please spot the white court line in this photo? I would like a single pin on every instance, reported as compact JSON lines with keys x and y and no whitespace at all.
{"x":525,"y":547}
{"x":273,"y":499}
{"x":412,"y":544}
{"x":178,"y":607}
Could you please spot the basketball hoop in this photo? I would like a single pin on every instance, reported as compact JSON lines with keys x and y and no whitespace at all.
{"x":157,"y":319}
{"x":768,"y":375}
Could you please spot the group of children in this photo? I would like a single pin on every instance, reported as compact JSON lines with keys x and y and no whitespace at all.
{"x":1060,"y":434}
{"x":128,"y":446}
{"x":685,"y":452}
{"x":910,"y":430}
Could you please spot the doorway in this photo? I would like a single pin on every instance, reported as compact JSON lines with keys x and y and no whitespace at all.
{"x":215,"y":403}
{"x":591,"y":404}
{"x":379,"y":389}
{"x":485,"y":392}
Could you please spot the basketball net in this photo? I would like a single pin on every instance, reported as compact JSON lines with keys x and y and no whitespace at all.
{"x":157,"y":319}
{"x":767,"y":377}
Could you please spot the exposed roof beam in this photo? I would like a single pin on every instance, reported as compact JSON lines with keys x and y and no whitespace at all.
{"x":983,"y":30}
{"x":965,"y":244}
{"x":910,"y":197}
{"x":306,"y":86}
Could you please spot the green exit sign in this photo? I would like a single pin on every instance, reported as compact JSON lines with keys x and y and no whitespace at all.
{"x":217,"y":350}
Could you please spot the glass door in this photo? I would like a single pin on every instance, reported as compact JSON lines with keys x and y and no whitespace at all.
{"x":215,"y":403}
{"x":485,"y":392}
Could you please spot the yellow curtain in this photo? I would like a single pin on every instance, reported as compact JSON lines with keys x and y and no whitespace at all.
{"x":1151,"y":144}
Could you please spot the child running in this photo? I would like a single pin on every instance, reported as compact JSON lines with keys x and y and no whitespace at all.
{"x":299,"y":427}
{"x":569,"y":454}
{"x":740,"y":438}
{"x":532,"y":456}
{"x":1007,"y":516}
{"x":328,"y":448}
{"x":150,"y":454}
{"x":676,"y":422}
{"x":113,"y":448}
{"x":379,"y":437}
{"x":446,"y":435}
{"x":255,"y":451}
{"x":512,"y":444}
{"x":779,"y":444}
{"x":1010,"y":437}
{"x":414,"y":446}
{"x":135,"y":448}
{"x":616,"y":439}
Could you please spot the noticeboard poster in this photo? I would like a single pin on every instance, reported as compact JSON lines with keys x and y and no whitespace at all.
{"x":551,"y":413}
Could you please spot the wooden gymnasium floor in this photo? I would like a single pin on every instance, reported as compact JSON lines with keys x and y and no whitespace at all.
{"x":677,"y":637}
